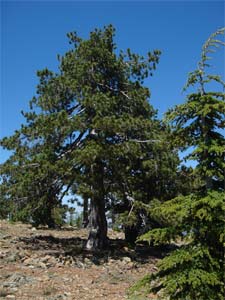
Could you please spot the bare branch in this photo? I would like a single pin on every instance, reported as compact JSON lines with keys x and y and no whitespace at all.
{"x":31,"y":165}
{"x":146,"y":141}
{"x":114,"y":90}
{"x":76,"y":143}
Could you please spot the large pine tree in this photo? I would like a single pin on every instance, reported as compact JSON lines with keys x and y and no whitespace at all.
{"x":85,"y":131}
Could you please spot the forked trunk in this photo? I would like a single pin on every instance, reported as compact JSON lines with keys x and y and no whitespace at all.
{"x":97,"y":238}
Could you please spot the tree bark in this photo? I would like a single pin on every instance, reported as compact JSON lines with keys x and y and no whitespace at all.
{"x":97,"y":221}
{"x":97,"y":238}
{"x":131,"y":234}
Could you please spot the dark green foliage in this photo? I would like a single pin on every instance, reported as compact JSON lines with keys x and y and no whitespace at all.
{"x":196,"y":221}
{"x":157,"y":179}
{"x":30,"y":183}
{"x":5,"y":208}
{"x":195,"y":269}
{"x":90,"y":131}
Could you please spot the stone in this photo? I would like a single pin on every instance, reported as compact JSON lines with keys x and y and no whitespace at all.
{"x":45,"y":258}
{"x":10,"y":297}
{"x":5,"y":237}
{"x":41,"y":265}
{"x":13,"y":289}
{"x":130,"y":265}
{"x":87,"y":261}
{"x":51,"y":262}
{"x":17,"y":280}
{"x":125,"y":248}
{"x":43,"y":278}
{"x":111,"y":261}
{"x":13,"y":257}
{"x":31,"y":267}
{"x":59,"y":265}
{"x":28,"y":261}
{"x":58,"y":297}
{"x":126,"y":259}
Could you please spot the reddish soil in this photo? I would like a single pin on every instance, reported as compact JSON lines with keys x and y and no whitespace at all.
{"x":45,"y":264}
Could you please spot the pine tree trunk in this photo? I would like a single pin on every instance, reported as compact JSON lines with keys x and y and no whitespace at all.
{"x":97,"y":238}
{"x":131,"y":234}
{"x":98,"y":233}
{"x":97,"y":221}
{"x":51,"y":223}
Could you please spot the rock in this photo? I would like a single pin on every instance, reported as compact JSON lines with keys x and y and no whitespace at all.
{"x":126,"y":260}
{"x":17,"y":280}
{"x":2,"y":255}
{"x":51,"y":262}
{"x":80,"y":264}
{"x":33,"y":229}
{"x":5,"y":246}
{"x":28,"y":261}
{"x":58,"y":297}
{"x":13,"y":257}
{"x":41,"y":265}
{"x":59,"y":265}
{"x":130,"y":265}
{"x":5,"y":237}
{"x":43,"y":278}
{"x":111,"y":261}
{"x":67,"y":263}
{"x":10,"y":297}
{"x":14,"y":241}
{"x":13,"y":289}
{"x":31,"y":267}
{"x":125,"y":248}
{"x":87,"y":261}
{"x":45,"y":258}
{"x":27,"y":252}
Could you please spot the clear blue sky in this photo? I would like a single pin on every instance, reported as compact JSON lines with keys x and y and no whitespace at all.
{"x":34,"y":32}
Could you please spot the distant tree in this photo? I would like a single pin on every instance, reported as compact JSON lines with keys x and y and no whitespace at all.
{"x":32,"y":179}
{"x":5,"y":207}
{"x":85,"y":213}
{"x":195,"y":270}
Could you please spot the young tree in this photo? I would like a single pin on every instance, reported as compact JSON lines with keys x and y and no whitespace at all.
{"x":195,"y":270}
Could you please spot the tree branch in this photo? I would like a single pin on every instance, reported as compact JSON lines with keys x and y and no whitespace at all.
{"x":114,"y":90}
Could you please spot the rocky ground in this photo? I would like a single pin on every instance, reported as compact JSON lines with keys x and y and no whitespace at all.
{"x":42,"y":264}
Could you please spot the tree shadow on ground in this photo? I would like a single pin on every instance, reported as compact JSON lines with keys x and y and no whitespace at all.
{"x":75,"y":247}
